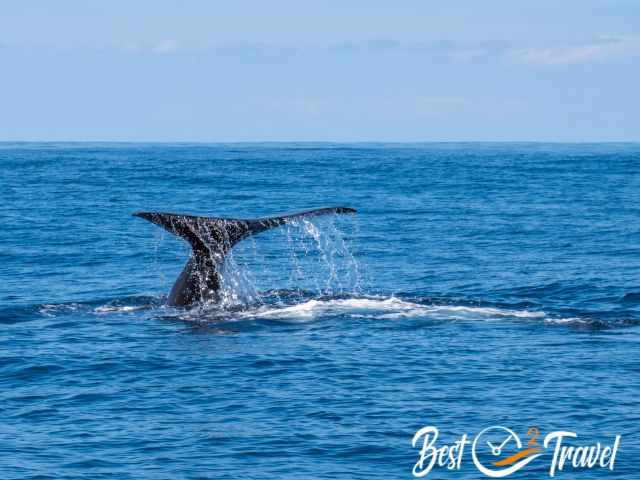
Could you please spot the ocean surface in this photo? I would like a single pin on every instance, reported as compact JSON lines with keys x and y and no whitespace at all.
{"x":478,"y":285}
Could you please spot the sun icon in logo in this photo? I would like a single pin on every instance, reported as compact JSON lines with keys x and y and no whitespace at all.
{"x":501,"y":447}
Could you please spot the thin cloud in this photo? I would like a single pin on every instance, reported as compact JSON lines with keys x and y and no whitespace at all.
{"x":165,"y":46}
{"x":459,"y":51}
{"x":604,"y":48}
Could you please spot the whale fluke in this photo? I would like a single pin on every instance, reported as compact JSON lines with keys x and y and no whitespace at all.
{"x":211,"y":238}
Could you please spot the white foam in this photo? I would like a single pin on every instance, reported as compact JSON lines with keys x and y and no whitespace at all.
{"x":384,"y":309}
{"x":494,"y":312}
{"x":122,"y":308}
{"x":568,"y":320}
{"x":53,"y":309}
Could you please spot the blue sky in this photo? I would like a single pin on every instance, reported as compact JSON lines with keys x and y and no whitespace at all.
{"x":320,"y":71}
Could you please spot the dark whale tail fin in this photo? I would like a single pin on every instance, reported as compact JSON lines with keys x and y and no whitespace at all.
{"x":211,"y":238}
{"x":219,"y":235}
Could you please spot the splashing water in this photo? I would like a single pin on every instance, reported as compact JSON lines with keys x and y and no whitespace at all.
{"x":307,"y":256}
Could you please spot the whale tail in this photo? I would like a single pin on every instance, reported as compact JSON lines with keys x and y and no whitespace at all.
{"x":211,"y":238}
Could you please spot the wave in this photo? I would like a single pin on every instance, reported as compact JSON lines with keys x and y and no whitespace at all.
{"x":298,"y":306}
{"x":381,"y":308}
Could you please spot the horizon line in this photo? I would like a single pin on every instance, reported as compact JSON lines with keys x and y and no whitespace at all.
{"x":331,"y":142}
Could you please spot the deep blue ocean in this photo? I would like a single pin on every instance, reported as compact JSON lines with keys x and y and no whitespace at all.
{"x":479,"y":284}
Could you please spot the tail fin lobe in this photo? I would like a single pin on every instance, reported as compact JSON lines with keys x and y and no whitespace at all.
{"x":219,"y":234}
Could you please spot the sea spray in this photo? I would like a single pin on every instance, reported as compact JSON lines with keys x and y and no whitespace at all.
{"x":307,"y":255}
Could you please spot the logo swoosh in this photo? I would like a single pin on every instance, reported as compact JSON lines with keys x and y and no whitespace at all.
{"x":515,"y":457}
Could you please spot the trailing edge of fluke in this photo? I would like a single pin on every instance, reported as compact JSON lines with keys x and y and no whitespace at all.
{"x":211,"y":238}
